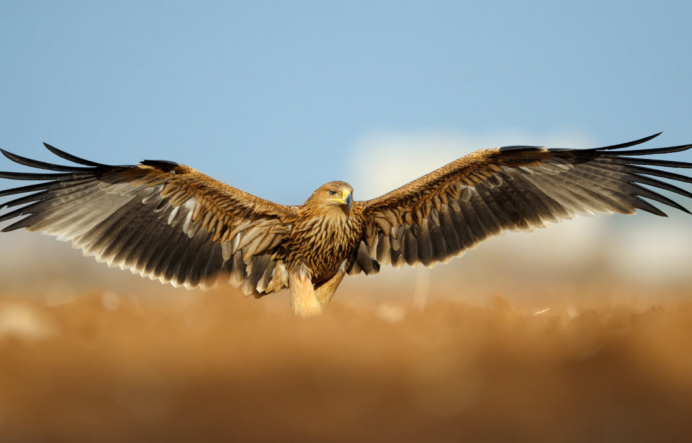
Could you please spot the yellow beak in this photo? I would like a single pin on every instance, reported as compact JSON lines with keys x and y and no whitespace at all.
{"x":346,"y":199}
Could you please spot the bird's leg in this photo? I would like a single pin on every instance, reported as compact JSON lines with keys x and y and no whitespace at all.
{"x":325,"y":292}
{"x":303,"y":300}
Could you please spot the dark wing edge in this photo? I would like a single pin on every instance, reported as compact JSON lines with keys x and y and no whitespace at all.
{"x":442,"y":214}
{"x":158,"y":219}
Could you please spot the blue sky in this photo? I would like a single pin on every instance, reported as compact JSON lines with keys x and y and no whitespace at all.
{"x":276,"y":97}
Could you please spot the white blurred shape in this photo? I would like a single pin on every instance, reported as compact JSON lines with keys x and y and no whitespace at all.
{"x":390,"y":312}
{"x":110,"y":300}
{"x":654,"y":251}
{"x":21,"y":321}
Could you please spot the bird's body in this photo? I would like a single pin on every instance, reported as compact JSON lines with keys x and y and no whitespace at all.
{"x":170,"y":222}
{"x":320,"y":247}
{"x":324,"y":236}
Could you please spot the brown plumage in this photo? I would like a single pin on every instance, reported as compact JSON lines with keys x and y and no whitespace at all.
{"x":170,"y":222}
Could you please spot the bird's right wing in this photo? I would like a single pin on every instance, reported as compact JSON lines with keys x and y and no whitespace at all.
{"x":452,"y":209}
{"x":159,"y":219}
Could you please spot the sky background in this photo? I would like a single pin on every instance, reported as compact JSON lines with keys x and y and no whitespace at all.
{"x":277,"y":98}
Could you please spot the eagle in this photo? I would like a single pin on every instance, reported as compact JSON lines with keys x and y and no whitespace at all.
{"x":167,"y":221}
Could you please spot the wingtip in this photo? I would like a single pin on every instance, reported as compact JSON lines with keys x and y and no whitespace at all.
{"x":14,"y":157}
{"x":629,"y":144}
{"x":70,"y":157}
{"x":646,"y":139}
{"x":51,"y":148}
{"x":651,"y":137}
{"x":9,"y":155}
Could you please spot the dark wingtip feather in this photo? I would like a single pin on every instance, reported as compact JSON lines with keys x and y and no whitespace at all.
{"x":31,"y":176}
{"x":30,"y":188}
{"x":653,"y":151}
{"x":7,"y":154}
{"x":653,"y":162}
{"x":628,"y":144}
{"x":39,"y":164}
{"x":70,"y":157}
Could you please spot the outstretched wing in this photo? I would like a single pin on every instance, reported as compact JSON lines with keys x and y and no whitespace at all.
{"x":440,"y":215}
{"x":159,"y":219}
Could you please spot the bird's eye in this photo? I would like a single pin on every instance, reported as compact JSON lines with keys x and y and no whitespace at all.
{"x":332,"y":192}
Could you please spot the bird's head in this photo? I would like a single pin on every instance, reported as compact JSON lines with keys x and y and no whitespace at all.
{"x":334,"y":195}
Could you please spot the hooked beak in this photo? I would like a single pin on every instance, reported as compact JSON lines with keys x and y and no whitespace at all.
{"x":346,"y":199}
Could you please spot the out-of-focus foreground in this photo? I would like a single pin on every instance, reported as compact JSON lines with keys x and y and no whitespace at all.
{"x":215,"y":366}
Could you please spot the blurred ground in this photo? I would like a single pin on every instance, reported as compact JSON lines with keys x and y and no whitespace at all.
{"x":541,"y":337}
{"x":218,"y":367}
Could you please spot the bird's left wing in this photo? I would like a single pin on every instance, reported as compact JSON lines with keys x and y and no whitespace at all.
{"x":159,"y":219}
{"x":440,"y":215}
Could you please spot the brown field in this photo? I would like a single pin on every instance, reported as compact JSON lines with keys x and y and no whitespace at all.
{"x":217,"y":367}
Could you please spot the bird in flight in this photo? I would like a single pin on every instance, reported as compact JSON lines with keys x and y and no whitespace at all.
{"x":167,"y":221}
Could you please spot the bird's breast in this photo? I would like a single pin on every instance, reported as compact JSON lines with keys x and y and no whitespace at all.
{"x":322,"y":244}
